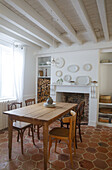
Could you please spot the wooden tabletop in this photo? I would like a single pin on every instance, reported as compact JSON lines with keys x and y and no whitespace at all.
{"x":40,"y":112}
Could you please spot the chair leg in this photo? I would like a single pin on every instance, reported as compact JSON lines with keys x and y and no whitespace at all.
{"x":76,"y":137}
{"x":55,"y":145}
{"x":70,"y":148}
{"x":28,"y":131}
{"x":21,"y":134}
{"x":80,"y":133}
{"x":50,"y":144}
{"x":38,"y":134}
{"x":18,"y":136}
{"x":61,"y":123}
{"x":32,"y":130}
{"x":74,"y":146}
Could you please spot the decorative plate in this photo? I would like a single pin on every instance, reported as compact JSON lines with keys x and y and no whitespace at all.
{"x":59,"y":62}
{"x":82,"y":80}
{"x":87,"y":67}
{"x":67,"y":78}
{"x":73,"y":68}
{"x":59,"y":73}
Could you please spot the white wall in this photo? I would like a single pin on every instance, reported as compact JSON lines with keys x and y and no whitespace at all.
{"x":77,"y":58}
{"x":30,"y":74}
{"x":105,"y":75}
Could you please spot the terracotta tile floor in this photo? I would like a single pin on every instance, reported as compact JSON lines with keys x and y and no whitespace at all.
{"x":95,"y":152}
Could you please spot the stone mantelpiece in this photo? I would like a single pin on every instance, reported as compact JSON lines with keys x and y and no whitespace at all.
{"x":57,"y":90}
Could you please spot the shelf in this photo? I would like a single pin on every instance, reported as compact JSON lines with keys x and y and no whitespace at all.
{"x":44,"y":66}
{"x":106,"y":114}
{"x":105,"y":124}
{"x":44,"y":76}
{"x":106,"y":104}
{"x":107,"y":63}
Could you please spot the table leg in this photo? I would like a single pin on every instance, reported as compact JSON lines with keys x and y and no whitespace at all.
{"x":45,"y":142}
{"x":10,"y":128}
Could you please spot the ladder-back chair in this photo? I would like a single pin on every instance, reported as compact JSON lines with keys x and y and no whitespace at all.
{"x":65,"y":134}
{"x":20,"y":126}
{"x":30,"y":102}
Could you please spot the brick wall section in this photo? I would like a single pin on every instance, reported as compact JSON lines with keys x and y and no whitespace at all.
{"x":77,"y":98}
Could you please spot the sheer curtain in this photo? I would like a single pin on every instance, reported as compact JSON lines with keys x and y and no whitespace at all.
{"x":12,"y":72}
{"x":11,"y":78}
{"x":19,"y":58}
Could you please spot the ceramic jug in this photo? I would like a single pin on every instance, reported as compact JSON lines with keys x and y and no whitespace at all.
{"x":49,"y":100}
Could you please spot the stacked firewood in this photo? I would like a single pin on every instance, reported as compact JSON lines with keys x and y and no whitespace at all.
{"x":43,"y":89}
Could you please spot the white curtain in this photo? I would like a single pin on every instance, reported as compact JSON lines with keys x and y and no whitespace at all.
{"x":19,"y":58}
{"x":11,"y":72}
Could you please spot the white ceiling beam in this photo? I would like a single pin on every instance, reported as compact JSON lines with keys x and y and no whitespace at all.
{"x":54,"y":11}
{"x":25,"y":9}
{"x":81,"y":11}
{"x":13,"y":18}
{"x":12,"y":28}
{"x":103,"y":17}
{"x":10,"y":34}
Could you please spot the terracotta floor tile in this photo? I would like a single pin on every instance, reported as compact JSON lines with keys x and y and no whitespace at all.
{"x":28,"y":165}
{"x":91,"y":150}
{"x":58,"y":164}
{"x":109,"y":162}
{"x":109,"y":154}
{"x":102,"y":149}
{"x":14,"y":165}
{"x":86,"y":164}
{"x":37,"y":157}
{"x":89,"y":156}
{"x":94,"y":139}
{"x":92,"y":144}
{"x":100,"y":164}
{"x":94,"y":153}
{"x":63,"y":157}
{"x":40,"y":165}
{"x":103,"y":144}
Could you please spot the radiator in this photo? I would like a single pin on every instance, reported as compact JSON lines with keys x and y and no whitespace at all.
{"x":3,"y":117}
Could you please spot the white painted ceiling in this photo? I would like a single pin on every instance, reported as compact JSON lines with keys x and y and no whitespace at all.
{"x":47,"y":23}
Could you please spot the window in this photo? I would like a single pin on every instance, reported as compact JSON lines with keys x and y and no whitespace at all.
{"x":11,"y":72}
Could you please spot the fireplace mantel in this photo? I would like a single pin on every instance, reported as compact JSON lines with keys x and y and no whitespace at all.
{"x":90,"y":89}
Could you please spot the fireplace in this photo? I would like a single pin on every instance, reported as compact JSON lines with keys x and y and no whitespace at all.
{"x":76,"y":98}
{"x":68,"y":93}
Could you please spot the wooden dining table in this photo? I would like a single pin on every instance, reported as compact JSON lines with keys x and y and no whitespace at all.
{"x":37,"y":114}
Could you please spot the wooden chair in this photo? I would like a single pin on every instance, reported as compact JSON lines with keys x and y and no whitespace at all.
{"x":79,"y":117}
{"x":30,"y":102}
{"x":20,"y":126}
{"x":65,"y":134}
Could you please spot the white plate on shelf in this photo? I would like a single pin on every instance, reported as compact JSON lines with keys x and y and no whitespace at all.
{"x":59,"y":73}
{"x":87,"y":67}
{"x":67,"y":78}
{"x":59,"y":62}
{"x":82,"y":80}
{"x":73,"y":68}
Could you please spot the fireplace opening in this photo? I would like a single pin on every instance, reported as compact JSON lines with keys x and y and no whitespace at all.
{"x":75,"y":98}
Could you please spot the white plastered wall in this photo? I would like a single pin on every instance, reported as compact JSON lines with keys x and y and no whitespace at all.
{"x":30,"y":74}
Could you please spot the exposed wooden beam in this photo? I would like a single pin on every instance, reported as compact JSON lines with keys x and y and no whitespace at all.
{"x":103,"y":17}
{"x":13,"y":18}
{"x":10,"y":34}
{"x":54,"y":11}
{"x":32,"y":15}
{"x":81,"y":11}
{"x":12,"y":28}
